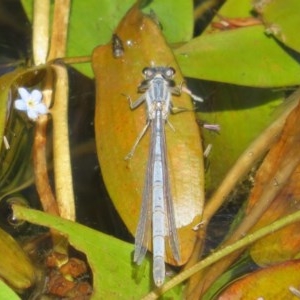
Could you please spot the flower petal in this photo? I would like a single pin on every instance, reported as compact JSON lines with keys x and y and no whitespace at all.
{"x":36,"y":96}
{"x":20,"y":105}
{"x":32,"y":114}
{"x":41,"y":109}
{"x":31,"y":102}
{"x":23,"y":93}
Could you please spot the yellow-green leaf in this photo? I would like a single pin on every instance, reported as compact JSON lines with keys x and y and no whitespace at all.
{"x":244,"y":56}
{"x":15,"y":267}
{"x":281,"y":19}
{"x":7,"y":293}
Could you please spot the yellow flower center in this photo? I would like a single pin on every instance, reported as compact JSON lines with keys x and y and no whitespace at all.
{"x":30,"y":103}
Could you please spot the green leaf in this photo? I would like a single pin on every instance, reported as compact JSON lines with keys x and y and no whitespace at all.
{"x":114,"y":275}
{"x":282,"y":20}
{"x":92,"y":23}
{"x":7,"y":293}
{"x":244,"y":56}
{"x":234,"y":8}
{"x":177,"y":26}
{"x":242,"y":113}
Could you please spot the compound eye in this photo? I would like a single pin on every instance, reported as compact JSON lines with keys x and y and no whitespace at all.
{"x":170,"y":72}
{"x":148,"y":73}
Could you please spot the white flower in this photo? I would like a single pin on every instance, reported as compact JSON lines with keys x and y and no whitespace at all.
{"x":31,"y":103}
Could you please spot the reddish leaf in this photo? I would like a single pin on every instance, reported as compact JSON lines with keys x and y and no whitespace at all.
{"x":276,"y":282}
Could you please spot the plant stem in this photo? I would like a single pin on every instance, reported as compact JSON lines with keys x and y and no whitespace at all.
{"x":40,"y":167}
{"x":40,"y":31}
{"x":59,"y":29}
{"x":61,"y":147}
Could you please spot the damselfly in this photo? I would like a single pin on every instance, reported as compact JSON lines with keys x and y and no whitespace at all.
{"x":157,"y":206}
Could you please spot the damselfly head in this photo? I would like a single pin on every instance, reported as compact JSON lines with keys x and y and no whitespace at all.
{"x":166,"y":72}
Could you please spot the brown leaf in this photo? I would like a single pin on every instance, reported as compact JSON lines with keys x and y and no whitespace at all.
{"x":283,"y":244}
